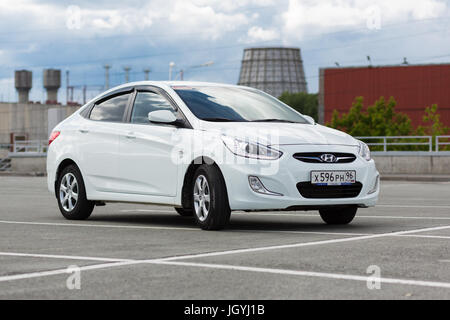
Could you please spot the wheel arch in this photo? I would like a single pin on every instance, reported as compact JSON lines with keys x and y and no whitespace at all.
{"x":63,"y":164}
{"x":186,"y":199}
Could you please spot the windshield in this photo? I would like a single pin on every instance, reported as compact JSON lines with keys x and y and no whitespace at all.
{"x":232,"y":104}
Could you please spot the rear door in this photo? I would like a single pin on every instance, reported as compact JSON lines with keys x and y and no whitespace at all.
{"x":99,"y":141}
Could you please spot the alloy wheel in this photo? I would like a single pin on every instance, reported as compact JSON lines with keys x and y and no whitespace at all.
{"x":202,"y":199}
{"x":68,"y":192}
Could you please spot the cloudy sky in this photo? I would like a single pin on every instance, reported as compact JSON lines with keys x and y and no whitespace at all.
{"x":82,"y":36}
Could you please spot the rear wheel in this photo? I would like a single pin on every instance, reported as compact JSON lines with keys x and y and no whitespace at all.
{"x":71,"y":195}
{"x":210,"y":199}
{"x":184,"y":212}
{"x":337,"y":216}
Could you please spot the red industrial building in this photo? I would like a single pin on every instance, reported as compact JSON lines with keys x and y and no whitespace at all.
{"x":414,"y":87}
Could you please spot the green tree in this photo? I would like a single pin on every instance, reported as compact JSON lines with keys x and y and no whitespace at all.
{"x":433,"y":125}
{"x":379,"y":119}
{"x":302,"y":102}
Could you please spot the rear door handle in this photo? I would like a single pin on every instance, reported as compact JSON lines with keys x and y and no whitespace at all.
{"x":130,"y":135}
{"x":84,"y":131}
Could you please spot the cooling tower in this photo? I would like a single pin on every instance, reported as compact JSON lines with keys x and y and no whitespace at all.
{"x":273,"y":70}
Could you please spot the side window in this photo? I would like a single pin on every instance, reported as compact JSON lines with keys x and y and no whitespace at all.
{"x":147,"y":102}
{"x":110,"y":110}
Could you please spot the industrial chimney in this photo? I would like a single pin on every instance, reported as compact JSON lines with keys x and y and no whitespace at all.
{"x":23,"y":82}
{"x":52,"y":82}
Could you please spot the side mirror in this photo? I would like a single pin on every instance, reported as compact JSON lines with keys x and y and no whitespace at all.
{"x":162,"y":116}
{"x":310,"y":119}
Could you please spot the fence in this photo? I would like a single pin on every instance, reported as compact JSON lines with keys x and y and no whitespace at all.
{"x":30,"y":146}
{"x":407,"y":143}
{"x":386,"y":143}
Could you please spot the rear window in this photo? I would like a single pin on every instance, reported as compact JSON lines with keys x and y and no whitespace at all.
{"x":111,"y":110}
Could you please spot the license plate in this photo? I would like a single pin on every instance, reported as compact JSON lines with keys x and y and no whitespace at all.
{"x":333,"y":178}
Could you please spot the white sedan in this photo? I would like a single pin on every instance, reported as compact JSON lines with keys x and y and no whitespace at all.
{"x":206,"y":149}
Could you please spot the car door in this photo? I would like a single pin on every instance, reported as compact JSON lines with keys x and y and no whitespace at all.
{"x":148,"y":152}
{"x":99,"y":142}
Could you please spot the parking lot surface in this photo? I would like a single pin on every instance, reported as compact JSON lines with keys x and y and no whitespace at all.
{"x":130,"y":251}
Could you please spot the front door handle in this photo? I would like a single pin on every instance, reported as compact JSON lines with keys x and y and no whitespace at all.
{"x":130,"y":135}
{"x":84,"y":131}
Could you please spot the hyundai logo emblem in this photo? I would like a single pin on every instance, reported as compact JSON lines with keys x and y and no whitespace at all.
{"x":328,"y":158}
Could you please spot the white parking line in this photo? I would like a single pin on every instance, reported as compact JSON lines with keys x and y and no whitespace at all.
{"x":95,"y":225}
{"x":302,"y":244}
{"x":63,"y":271}
{"x":167,"y":261}
{"x":307,"y":274}
{"x":199,"y":230}
{"x":301,"y":214}
{"x":53,"y":256}
{"x":358,"y":216}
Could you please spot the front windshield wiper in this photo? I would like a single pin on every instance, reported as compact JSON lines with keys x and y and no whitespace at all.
{"x":221,"y":120}
{"x":275,"y":120}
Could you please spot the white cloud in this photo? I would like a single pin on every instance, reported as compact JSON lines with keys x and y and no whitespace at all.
{"x":260,"y":34}
{"x":188,"y":17}
{"x":314,"y":17}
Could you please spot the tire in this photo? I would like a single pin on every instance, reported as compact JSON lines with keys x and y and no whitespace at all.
{"x":217,"y":214}
{"x":184,"y":212}
{"x":338,"y":216}
{"x":72,"y":208}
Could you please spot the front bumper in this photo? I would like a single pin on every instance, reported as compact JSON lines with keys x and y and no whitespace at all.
{"x":283,"y":175}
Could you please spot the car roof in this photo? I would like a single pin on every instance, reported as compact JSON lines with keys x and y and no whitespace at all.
{"x":163,"y":84}
{"x":173,"y":84}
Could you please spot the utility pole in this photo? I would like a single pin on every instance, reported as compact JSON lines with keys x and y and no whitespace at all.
{"x":84,"y":94}
{"x":107,"y":67}
{"x":127,"y":73}
{"x":146,"y":72}
{"x":67,"y":87}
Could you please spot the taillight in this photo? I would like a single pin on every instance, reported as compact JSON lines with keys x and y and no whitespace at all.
{"x":53,"y":136}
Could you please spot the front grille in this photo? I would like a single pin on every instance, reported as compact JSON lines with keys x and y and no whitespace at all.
{"x":312,"y":191}
{"x":314,"y":157}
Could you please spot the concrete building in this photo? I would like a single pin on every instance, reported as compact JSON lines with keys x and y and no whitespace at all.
{"x":273,"y":70}
{"x":414,"y":87}
{"x":28,"y":121}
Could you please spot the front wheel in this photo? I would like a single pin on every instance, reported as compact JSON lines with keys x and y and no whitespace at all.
{"x":336,"y":216}
{"x":210,"y":199}
{"x":71,"y":195}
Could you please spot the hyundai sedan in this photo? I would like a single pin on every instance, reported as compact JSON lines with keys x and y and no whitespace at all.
{"x":206,"y":149}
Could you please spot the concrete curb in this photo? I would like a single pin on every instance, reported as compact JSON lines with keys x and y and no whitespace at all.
{"x":418,"y":178}
{"x":22,"y":174}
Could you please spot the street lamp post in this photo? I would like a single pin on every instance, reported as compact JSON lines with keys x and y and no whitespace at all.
{"x":171,"y":65}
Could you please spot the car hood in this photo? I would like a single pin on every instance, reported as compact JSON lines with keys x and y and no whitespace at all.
{"x":275,"y":133}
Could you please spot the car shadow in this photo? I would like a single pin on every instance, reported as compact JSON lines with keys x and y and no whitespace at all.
{"x":237,"y":223}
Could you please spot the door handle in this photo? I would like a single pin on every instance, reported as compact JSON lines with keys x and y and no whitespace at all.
{"x":130,"y":136}
{"x":83,"y":130}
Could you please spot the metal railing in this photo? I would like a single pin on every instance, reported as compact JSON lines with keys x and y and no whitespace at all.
{"x":383,"y":142}
{"x":425,"y":142}
{"x":439,"y":143}
{"x":34,"y":146}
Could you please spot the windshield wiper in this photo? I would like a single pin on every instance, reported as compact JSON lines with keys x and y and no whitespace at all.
{"x":221,"y":120}
{"x":275,"y":120}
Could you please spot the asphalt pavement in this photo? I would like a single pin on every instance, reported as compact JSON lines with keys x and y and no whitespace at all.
{"x":397,"y":250}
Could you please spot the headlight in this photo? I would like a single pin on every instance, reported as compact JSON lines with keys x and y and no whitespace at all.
{"x":250,"y":149}
{"x":364,"y":150}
